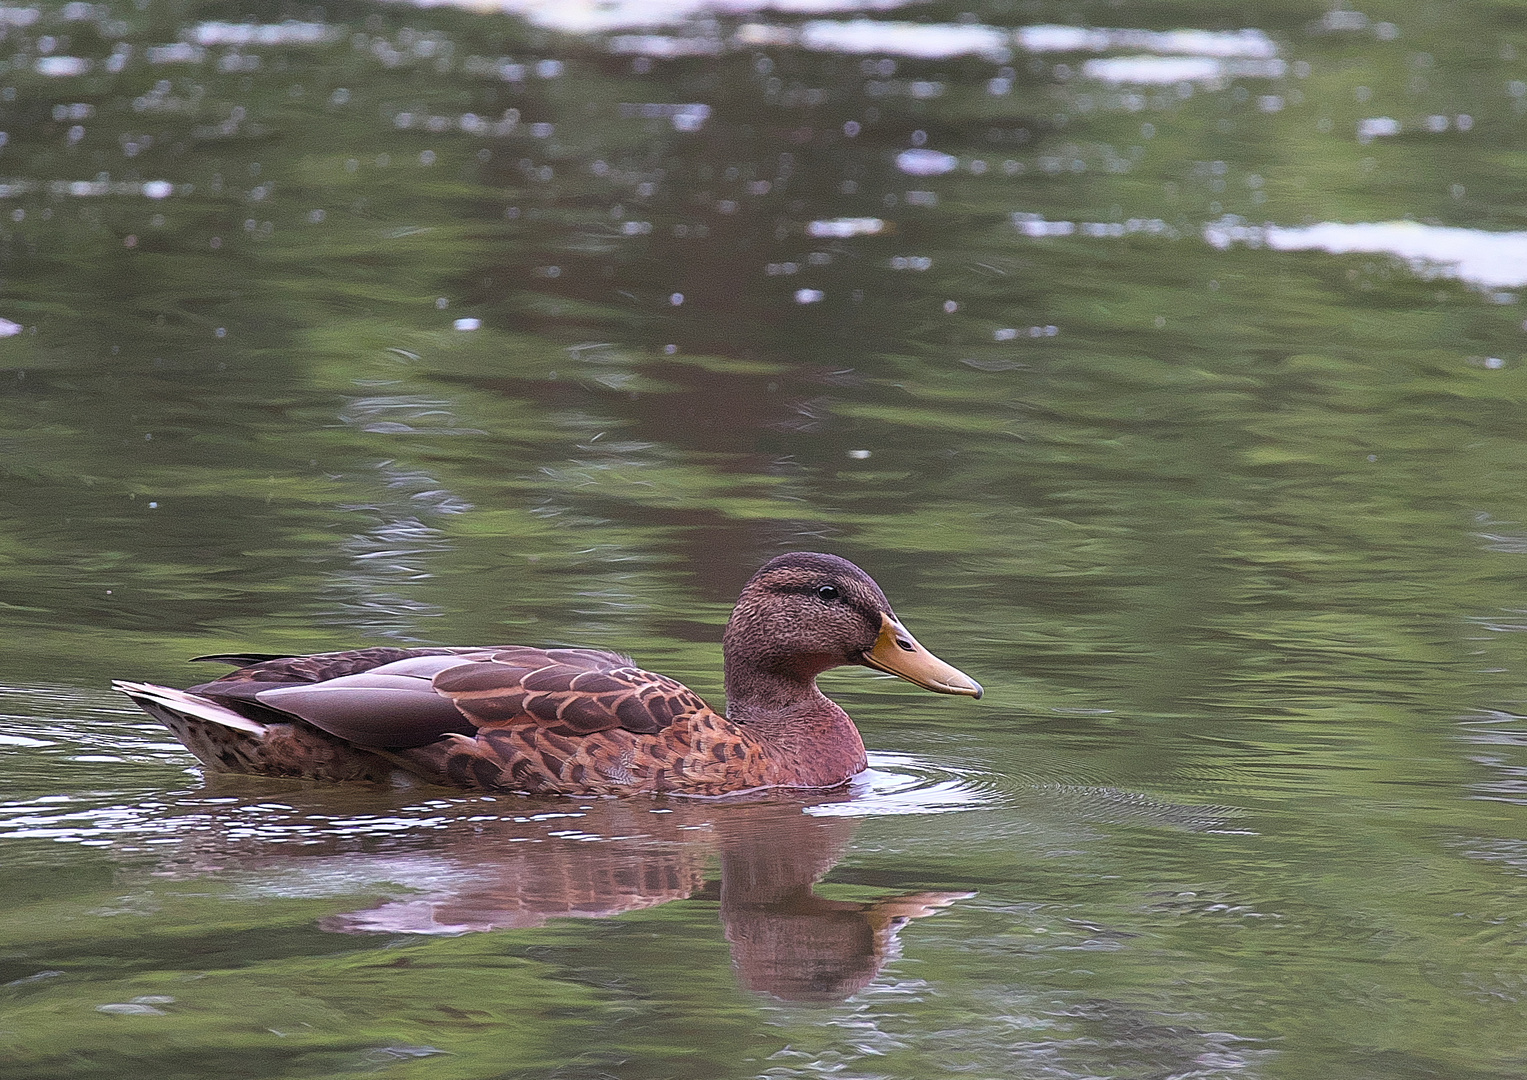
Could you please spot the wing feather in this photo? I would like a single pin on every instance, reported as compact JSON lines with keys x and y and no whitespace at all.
{"x":582,"y":715}
{"x":571,"y":692}
{"x":556,"y":679}
{"x":391,"y":697}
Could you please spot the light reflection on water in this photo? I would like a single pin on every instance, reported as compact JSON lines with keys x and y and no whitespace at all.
{"x":1479,"y":257}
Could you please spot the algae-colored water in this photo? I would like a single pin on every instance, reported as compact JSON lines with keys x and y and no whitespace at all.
{"x":1164,"y":363}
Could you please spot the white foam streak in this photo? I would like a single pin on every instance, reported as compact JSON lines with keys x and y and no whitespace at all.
{"x":62,"y":67}
{"x":1490,"y":260}
{"x":209,"y":34}
{"x":1167,"y":70}
{"x":1487,"y":259}
{"x":928,"y":41}
{"x":843,"y":228}
{"x":926,"y":162}
{"x":1380,"y":127}
{"x":604,"y":16}
{"x":90,"y":189}
{"x":1247,"y":44}
{"x":1036,"y":226}
{"x":664,"y":47}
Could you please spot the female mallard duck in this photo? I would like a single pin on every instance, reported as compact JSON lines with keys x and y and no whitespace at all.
{"x":569,"y":721}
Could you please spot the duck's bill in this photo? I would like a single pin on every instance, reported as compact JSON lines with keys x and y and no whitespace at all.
{"x":897,"y":652}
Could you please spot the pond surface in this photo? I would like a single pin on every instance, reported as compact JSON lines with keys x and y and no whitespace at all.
{"x":1164,"y":363}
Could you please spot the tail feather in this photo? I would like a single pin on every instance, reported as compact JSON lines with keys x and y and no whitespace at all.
{"x":157,"y":700}
{"x":241,"y":659}
{"x":226,"y":741}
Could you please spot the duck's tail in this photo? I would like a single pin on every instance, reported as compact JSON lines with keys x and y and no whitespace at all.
{"x":226,"y":741}
{"x":174,"y":708}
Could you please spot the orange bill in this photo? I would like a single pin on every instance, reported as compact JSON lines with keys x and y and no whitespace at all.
{"x":898,"y":652}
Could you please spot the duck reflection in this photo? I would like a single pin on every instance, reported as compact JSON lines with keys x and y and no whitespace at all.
{"x":522,"y":862}
{"x":788,"y":941}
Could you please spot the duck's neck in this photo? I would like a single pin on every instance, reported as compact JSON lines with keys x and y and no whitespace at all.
{"x":813,"y":739}
{"x":756,"y":691}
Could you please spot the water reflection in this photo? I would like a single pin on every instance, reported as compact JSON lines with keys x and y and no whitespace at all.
{"x":483,"y":866}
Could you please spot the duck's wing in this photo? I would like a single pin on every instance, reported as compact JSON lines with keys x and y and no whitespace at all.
{"x":579,"y":722}
{"x":396,"y":699}
{"x":569,"y":692}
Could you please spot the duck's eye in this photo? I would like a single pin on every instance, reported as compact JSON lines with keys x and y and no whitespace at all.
{"x":827,"y":592}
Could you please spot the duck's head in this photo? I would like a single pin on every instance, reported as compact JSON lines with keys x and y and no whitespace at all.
{"x":805,"y":612}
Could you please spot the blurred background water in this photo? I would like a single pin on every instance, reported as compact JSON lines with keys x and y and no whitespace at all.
{"x":1163,"y":361}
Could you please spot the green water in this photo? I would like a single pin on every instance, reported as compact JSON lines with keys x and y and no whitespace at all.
{"x":1230,"y":527}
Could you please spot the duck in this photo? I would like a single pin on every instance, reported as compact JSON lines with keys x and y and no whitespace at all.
{"x":568,"y":721}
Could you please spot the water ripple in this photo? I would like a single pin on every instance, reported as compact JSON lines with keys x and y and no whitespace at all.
{"x":903,"y":784}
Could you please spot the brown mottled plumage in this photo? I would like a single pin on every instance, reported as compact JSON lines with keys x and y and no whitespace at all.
{"x":568,"y":721}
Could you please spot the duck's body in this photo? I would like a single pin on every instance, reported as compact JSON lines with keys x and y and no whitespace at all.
{"x":568,"y":721}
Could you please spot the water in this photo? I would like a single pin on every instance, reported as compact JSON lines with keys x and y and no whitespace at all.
{"x":1164,"y":364}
